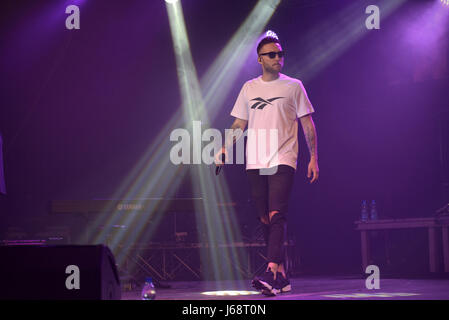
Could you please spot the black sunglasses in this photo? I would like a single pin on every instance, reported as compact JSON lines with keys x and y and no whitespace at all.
{"x":273,"y":54}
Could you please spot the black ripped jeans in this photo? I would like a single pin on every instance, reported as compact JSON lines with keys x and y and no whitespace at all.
{"x":270,"y":191}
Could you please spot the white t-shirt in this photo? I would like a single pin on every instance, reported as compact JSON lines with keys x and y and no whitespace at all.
{"x":273,"y":106}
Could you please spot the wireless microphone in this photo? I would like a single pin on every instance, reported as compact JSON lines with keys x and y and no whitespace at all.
{"x":218,"y":168}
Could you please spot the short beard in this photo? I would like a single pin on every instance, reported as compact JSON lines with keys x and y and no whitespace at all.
{"x":270,"y":69}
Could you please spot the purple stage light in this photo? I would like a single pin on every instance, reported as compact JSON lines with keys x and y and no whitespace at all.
{"x":445,"y":2}
{"x":424,"y":35}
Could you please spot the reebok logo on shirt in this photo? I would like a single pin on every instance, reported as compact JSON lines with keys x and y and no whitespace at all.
{"x":261,"y":103}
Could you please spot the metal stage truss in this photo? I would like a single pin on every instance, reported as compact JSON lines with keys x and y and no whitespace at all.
{"x":194,"y":261}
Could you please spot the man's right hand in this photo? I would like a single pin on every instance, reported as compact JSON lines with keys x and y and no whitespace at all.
{"x":218,"y":157}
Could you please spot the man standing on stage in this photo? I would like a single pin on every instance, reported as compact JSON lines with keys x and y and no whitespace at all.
{"x":273,"y":101}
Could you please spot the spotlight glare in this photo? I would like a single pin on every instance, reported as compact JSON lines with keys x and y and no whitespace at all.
{"x":229,"y":293}
{"x":445,"y":2}
{"x":371,"y":295}
{"x":151,"y":171}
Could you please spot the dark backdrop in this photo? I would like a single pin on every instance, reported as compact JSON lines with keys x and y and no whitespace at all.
{"x":80,"y":107}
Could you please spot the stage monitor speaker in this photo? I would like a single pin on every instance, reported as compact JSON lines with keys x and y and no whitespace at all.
{"x":65,"y":272}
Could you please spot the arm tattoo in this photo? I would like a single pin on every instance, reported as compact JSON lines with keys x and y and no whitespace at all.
{"x":311,"y":139}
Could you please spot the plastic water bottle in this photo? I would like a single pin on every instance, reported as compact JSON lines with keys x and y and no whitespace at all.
{"x":373,"y":212}
{"x":148,"y":290}
{"x":364,"y":214}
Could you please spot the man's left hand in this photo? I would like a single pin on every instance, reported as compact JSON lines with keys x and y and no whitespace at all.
{"x":313,"y":169}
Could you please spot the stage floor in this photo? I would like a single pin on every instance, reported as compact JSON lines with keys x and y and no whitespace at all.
{"x":308,"y":288}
